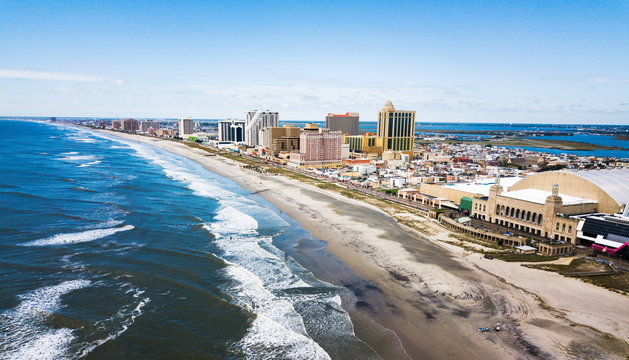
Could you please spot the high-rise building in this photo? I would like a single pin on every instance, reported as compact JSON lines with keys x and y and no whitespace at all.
{"x":130,"y":125}
{"x":346,"y":123}
{"x":146,"y":125}
{"x":320,"y":148}
{"x":115,"y":124}
{"x":231,"y":130}
{"x":257,"y":120}
{"x":396,"y":128}
{"x":278,"y":139}
{"x":186,"y":127}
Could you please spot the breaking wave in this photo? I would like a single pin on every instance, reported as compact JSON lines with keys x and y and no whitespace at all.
{"x":78,"y":237}
{"x":25,"y":334}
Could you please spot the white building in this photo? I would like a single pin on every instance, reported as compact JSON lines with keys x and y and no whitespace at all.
{"x":257,"y":120}
{"x":186,"y":127}
{"x":231,"y":130}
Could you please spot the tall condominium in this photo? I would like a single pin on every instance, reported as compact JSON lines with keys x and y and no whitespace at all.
{"x":320,"y":148}
{"x":257,"y":120}
{"x":130,"y":125}
{"x":146,"y":125}
{"x":346,"y":123}
{"x":186,"y":127}
{"x":231,"y":130}
{"x":396,"y":128}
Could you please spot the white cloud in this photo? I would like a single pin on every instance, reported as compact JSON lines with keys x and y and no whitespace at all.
{"x":46,"y":75}
{"x":62,"y":89}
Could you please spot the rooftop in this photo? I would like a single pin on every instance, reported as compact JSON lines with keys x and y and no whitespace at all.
{"x":614,"y":182}
{"x":539,"y":197}
{"x":482,"y":187}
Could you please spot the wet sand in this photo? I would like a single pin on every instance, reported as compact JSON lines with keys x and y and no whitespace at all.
{"x":416,"y":297}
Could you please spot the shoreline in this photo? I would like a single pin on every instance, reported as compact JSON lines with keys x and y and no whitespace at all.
{"x":430,"y":293}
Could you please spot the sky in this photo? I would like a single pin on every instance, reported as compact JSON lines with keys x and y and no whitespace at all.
{"x":450,"y":61}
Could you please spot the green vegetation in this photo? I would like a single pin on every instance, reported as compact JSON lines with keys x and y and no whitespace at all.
{"x":388,"y":191}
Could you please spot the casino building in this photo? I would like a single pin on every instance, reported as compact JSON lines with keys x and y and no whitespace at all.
{"x":553,"y":204}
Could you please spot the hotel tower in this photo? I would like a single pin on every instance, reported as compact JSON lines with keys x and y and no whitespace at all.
{"x":396,"y":128}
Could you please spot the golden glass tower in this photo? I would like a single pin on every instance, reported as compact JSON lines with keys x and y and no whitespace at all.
{"x":396,"y":128}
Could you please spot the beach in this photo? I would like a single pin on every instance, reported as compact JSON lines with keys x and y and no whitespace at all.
{"x":422,"y":298}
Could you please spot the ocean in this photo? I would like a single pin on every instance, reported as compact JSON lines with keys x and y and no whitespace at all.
{"x":112,"y":249}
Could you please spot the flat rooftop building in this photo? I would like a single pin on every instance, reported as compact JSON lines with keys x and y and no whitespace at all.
{"x":345,"y":123}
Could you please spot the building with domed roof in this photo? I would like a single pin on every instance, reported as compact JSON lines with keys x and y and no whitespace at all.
{"x":551,"y":204}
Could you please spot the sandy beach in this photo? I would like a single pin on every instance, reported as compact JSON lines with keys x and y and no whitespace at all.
{"x":422,"y":298}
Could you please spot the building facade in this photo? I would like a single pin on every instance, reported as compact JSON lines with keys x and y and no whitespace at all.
{"x":130,"y":125}
{"x":396,"y":128}
{"x":186,"y":127}
{"x":256,"y":121}
{"x":320,"y":148}
{"x":279,"y":139}
{"x":365,"y":143}
{"x":231,"y":130}
{"x":146,"y":125}
{"x":345,"y":123}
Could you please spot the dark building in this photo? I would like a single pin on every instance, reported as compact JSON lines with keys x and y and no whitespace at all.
{"x":606,"y":233}
{"x":346,"y":123}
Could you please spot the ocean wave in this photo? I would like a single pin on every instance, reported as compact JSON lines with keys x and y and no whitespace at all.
{"x":90,"y":163}
{"x":82,"y":140}
{"x":77,"y":158}
{"x":228,"y":220}
{"x":277,"y":330}
{"x":78,"y":237}
{"x":118,"y":323}
{"x":24,"y":332}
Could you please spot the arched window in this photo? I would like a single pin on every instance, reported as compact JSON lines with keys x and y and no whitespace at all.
{"x":528,"y":216}
{"x":517,"y":214}
{"x":511,"y":212}
{"x":540,"y":218}
{"x":534,"y":217}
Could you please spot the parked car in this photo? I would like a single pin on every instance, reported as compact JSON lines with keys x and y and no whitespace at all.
{"x":487,"y":256}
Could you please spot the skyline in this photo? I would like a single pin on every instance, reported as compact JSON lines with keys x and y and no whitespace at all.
{"x":493,"y":62}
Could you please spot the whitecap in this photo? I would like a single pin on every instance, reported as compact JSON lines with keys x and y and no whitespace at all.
{"x":24,"y":332}
{"x":278,"y":330}
{"x":77,"y":158}
{"x":83,"y":140}
{"x":118,"y":323}
{"x":89,"y":163}
{"x":229,"y":220}
{"x":78,"y":237}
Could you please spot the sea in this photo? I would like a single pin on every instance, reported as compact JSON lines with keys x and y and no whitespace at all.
{"x":111,"y":249}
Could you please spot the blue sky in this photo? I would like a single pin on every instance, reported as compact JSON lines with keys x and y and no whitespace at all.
{"x":459,"y":61}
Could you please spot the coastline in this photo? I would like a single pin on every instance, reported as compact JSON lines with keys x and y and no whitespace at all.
{"x":430,"y":293}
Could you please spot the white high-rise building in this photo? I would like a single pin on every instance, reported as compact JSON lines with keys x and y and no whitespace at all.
{"x":186,"y":127}
{"x":231,"y":130}
{"x":257,"y":120}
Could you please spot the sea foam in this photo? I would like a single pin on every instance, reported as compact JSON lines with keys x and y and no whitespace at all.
{"x":78,"y":237}
{"x":258,"y":277}
{"x":24,"y":332}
